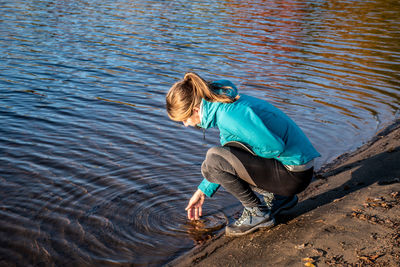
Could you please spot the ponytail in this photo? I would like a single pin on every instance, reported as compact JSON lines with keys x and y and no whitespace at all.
{"x":187,"y":94}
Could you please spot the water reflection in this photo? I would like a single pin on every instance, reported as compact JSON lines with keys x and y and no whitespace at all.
{"x":206,"y":228}
{"x":319,"y":53}
{"x":93,"y":172}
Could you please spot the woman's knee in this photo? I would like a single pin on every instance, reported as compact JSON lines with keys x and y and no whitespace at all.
{"x":214,"y":164}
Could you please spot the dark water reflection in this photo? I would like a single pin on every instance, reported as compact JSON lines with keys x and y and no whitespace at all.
{"x":91,"y":170}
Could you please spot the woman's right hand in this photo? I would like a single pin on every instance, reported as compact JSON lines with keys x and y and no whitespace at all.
{"x":194,"y":208}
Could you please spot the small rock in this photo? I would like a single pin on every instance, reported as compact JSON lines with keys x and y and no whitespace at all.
{"x":319,"y":252}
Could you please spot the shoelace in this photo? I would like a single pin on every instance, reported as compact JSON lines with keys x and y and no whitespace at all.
{"x":268,"y":198}
{"x":246,"y":213}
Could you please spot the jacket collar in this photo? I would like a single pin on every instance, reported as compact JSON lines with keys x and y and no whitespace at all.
{"x":207,"y":114}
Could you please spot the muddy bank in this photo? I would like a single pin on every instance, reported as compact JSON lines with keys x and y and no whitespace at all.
{"x":349,"y":216}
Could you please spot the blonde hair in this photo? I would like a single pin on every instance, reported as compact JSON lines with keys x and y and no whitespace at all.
{"x":187,"y":94}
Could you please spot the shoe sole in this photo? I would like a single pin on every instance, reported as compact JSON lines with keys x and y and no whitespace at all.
{"x":286,"y":206}
{"x":268,"y":224}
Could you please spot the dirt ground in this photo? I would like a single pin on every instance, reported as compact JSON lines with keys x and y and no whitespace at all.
{"x":348,"y":216}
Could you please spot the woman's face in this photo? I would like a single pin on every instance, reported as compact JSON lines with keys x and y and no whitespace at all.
{"x":194,"y":119}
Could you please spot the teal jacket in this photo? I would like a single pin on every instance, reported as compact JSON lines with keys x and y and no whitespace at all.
{"x":268,"y":131}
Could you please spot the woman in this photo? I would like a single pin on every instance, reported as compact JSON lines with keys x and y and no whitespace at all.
{"x":262,"y":150}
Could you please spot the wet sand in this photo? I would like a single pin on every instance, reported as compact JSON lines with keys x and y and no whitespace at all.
{"x":349,"y":216}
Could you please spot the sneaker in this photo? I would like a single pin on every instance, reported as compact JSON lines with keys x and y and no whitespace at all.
{"x":251,"y":220}
{"x":276,"y":203}
{"x":280,"y":203}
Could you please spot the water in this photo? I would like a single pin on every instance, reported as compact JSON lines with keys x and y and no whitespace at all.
{"x":93,"y":173}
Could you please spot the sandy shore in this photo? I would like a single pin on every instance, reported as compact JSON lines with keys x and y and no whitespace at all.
{"x":349,"y":216}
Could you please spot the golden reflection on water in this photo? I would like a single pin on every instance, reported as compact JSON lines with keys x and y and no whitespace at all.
{"x":125,"y":103}
{"x":205,"y":228}
{"x":346,"y":57}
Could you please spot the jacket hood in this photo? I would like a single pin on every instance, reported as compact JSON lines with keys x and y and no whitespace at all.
{"x":224,"y":87}
{"x":208,"y":109}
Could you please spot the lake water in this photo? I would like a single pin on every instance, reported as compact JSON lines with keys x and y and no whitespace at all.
{"x":92,"y":171}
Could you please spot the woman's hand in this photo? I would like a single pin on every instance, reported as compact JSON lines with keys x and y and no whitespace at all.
{"x":194,"y":209}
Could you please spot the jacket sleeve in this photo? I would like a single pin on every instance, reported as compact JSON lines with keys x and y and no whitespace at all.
{"x":208,"y":188}
{"x":245,"y":126}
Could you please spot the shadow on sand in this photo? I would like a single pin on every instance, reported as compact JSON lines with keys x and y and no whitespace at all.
{"x":381,"y":168}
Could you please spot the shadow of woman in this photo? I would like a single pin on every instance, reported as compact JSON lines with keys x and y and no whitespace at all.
{"x":383,"y":168}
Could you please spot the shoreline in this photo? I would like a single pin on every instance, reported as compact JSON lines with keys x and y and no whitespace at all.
{"x":342,"y":216}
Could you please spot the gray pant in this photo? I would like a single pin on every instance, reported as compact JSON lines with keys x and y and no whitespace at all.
{"x":238,"y":170}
